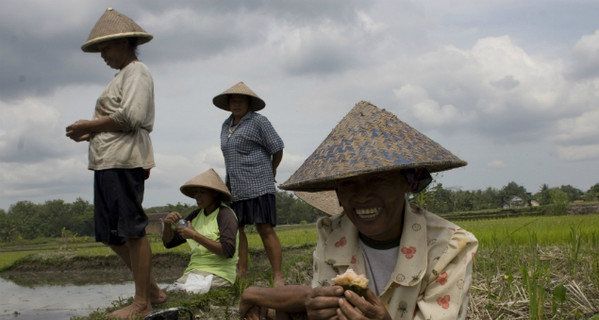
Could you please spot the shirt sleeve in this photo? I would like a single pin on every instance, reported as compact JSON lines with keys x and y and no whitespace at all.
{"x":323,"y":270}
{"x":446,"y":294}
{"x":177,"y":239}
{"x":137,"y":104}
{"x":227,"y":226}
{"x":270,"y":138}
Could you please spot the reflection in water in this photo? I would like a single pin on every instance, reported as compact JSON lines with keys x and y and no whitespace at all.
{"x":57,"y":302}
{"x":53,"y":296}
{"x":76,"y":289}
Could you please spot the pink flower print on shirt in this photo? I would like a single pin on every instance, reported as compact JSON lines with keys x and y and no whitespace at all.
{"x":341,"y":242}
{"x":353,"y":260}
{"x":442,"y":278}
{"x":408,"y":252}
{"x":444,"y":301}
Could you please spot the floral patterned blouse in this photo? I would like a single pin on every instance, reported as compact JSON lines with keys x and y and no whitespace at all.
{"x":433,"y":271}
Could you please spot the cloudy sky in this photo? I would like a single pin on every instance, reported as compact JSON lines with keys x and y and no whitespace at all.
{"x":512,"y":87}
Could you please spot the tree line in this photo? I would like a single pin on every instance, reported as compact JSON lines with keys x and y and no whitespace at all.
{"x":447,"y":200}
{"x":27,"y":220}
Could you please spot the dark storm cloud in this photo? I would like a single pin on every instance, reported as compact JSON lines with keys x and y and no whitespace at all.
{"x":44,"y":53}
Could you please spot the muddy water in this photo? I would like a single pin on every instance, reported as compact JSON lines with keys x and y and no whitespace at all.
{"x":64,"y":294}
{"x":57,"y":302}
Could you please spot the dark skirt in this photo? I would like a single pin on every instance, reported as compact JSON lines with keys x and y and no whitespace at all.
{"x":262,"y":209}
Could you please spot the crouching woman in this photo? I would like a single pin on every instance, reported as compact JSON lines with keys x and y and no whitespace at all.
{"x":210,"y":231}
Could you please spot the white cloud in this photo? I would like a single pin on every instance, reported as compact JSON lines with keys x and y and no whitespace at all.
{"x":496,"y":164}
{"x":577,"y":153}
{"x":586,"y":57}
{"x":29,"y":131}
{"x":498,"y":91}
{"x":427,"y":110}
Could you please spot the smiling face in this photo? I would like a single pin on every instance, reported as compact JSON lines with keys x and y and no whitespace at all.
{"x":115,"y":53}
{"x":239,"y":105}
{"x":205,"y":198}
{"x":375,"y":204}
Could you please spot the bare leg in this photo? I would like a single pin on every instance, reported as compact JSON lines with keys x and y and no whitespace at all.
{"x":242,"y":263}
{"x":157,"y":296}
{"x":272,"y":245}
{"x":137,"y":255}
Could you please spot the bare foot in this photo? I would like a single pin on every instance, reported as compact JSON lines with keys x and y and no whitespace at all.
{"x":157,"y":296}
{"x":132,"y":311}
{"x":278,"y":281}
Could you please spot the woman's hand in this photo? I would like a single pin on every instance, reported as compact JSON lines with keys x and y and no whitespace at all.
{"x":370,"y":307}
{"x":82,"y":129}
{"x":323,"y":302}
{"x":78,"y":131}
{"x":187,"y":232}
{"x":173,"y":217}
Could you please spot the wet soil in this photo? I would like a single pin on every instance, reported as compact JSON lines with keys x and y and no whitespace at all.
{"x":64,"y":269}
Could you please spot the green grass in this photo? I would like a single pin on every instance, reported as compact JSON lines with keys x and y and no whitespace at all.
{"x":296,"y":235}
{"x":548,"y":230}
{"x":534,"y":267}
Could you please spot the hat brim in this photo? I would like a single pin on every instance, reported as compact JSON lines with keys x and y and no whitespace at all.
{"x":325,"y":201}
{"x":188,"y":190}
{"x":222,"y":101}
{"x":92,"y":45}
{"x":331,"y":182}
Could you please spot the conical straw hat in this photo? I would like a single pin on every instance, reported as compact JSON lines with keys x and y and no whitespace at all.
{"x":368,"y":140}
{"x":114,"y":25}
{"x":325,"y":201}
{"x":207,"y":179}
{"x":222,"y":100}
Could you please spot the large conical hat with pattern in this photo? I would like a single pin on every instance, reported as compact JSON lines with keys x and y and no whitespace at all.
{"x":368,"y":140}
{"x":207,"y":179}
{"x":222,"y":100}
{"x":114,"y":25}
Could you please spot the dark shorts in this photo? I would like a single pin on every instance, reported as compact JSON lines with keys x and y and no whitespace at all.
{"x":118,"y":213}
{"x":262,"y":209}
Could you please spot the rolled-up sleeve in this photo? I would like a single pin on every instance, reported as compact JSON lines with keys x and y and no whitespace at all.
{"x":137,"y":105}
{"x":271,"y":140}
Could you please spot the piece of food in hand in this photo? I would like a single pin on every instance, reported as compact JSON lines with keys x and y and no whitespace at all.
{"x":350,"y":280}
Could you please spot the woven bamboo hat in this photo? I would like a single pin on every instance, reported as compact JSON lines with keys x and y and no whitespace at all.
{"x":222,"y":100}
{"x":207,"y":179}
{"x":368,"y":140}
{"x":114,"y":25}
{"x":325,"y":201}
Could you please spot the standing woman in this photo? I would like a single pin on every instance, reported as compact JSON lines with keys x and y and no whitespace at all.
{"x":120,"y":153}
{"x":252,"y":150}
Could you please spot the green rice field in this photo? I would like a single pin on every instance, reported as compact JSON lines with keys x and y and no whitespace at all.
{"x":539,"y":267}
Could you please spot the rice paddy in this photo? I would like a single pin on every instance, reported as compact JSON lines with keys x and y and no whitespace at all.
{"x":540,"y":267}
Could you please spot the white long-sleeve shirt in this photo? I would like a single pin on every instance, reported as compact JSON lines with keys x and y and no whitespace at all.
{"x":129,"y":101}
